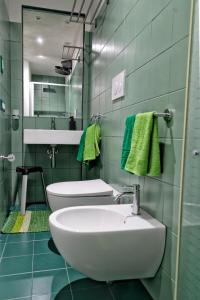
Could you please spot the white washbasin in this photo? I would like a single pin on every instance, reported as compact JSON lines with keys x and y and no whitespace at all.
{"x":102,"y":243}
{"x":52,"y":137}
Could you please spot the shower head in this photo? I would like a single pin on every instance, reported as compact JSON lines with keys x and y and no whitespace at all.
{"x":65,"y":69}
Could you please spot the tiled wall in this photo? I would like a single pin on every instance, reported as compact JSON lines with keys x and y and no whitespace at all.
{"x":49,"y":102}
{"x":5,"y":131}
{"x":16,"y":99}
{"x":149,"y":39}
{"x":75,"y":91}
{"x":67,"y":168}
{"x":189,"y":275}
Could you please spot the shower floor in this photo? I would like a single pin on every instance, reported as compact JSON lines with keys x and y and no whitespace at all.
{"x":31,"y":268}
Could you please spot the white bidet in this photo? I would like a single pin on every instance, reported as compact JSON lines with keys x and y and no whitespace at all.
{"x":105,"y":244}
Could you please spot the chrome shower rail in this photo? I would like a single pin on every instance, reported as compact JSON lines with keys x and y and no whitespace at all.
{"x":86,"y":13}
{"x":72,"y":52}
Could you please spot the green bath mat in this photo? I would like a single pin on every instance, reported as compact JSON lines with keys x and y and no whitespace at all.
{"x":32,"y":221}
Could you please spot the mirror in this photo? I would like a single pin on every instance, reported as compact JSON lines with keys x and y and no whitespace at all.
{"x":52,"y":63}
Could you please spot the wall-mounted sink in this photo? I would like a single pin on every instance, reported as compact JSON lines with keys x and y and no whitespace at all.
{"x":52,"y":137}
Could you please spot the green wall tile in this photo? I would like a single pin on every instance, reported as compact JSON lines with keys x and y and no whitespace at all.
{"x":181,"y":18}
{"x":170,"y":209}
{"x":5,"y":128}
{"x":179,"y":57}
{"x":162,"y":31}
{"x":152,"y":48}
{"x":169,"y":262}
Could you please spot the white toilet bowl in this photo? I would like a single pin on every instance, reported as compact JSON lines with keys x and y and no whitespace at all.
{"x":79,"y":193}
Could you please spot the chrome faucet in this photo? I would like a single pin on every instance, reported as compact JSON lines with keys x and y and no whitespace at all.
{"x":135,"y":191}
{"x":53,"y":123}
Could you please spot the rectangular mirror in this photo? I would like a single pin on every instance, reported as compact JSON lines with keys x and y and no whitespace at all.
{"x":52,"y":64}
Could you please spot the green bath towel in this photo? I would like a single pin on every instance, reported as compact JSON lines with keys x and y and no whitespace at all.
{"x":80,"y":154}
{"x":92,"y":139}
{"x":127,"y":140}
{"x":144,"y":156}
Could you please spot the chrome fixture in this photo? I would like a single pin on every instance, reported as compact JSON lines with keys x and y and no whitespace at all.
{"x":196,"y":152}
{"x":135,"y":191}
{"x":70,"y":53}
{"x":53,"y":123}
{"x":96,"y":118}
{"x":81,"y":17}
{"x":52,"y":151}
{"x":10,"y":157}
{"x":167,"y":115}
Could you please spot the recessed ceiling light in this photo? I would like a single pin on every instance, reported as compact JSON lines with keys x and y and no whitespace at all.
{"x":41,"y":56}
{"x":39,"y":40}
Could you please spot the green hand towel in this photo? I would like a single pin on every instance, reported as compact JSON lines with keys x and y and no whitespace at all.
{"x":154,"y":168}
{"x":127,"y":140}
{"x":92,"y":139}
{"x":81,"y":148}
{"x":97,"y":139}
{"x":144,"y":156}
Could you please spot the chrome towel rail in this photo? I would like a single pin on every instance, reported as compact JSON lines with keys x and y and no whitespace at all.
{"x":10,"y":157}
{"x":85,"y":12}
{"x":167,"y":115}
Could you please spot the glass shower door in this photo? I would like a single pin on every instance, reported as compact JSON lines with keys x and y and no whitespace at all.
{"x":189,"y":267}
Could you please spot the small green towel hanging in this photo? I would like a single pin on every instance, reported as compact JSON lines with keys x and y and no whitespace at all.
{"x":126,"y":147}
{"x":92,"y":139}
{"x":81,"y":148}
{"x":144,"y":156}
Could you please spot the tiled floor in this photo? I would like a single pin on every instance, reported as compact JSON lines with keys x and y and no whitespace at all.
{"x":31,"y":269}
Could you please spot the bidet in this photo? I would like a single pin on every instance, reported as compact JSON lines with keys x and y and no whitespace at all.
{"x":96,"y":241}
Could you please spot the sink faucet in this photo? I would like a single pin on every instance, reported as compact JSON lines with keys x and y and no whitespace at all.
{"x":135,"y":191}
{"x":53,"y":123}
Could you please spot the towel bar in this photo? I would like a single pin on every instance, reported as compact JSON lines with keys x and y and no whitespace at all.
{"x":167,"y":115}
{"x":96,"y":117}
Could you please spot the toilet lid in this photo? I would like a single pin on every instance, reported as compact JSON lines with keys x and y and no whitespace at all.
{"x":83,"y":188}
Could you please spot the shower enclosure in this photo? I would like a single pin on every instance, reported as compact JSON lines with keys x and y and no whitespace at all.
{"x":189,"y":251}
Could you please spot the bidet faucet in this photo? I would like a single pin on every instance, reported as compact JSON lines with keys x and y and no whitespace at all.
{"x":135,"y":191}
{"x":53,"y":123}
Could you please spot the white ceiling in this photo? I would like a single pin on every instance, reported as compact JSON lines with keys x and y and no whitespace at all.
{"x":52,"y":28}
{"x":55,"y":32}
{"x":14,"y":6}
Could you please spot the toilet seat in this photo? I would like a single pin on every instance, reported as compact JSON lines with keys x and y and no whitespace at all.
{"x":85,"y":188}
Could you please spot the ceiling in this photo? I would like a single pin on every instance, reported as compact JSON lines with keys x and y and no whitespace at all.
{"x":54,"y":32}
{"x":14,"y":6}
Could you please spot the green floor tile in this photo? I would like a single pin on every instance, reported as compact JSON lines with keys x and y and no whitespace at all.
{"x":41,"y":247}
{"x":129,"y":290}
{"x":42,"y":235}
{"x":98,"y":293}
{"x":17,"y":249}
{"x":3,"y":238}
{"x":64,"y":294}
{"x":15,"y":286}
{"x":80,"y":281}
{"x":16,"y":265}
{"x":44,"y":262}
{"x":74,"y":275}
{"x":45,"y":246}
{"x":20,"y":237}
{"x":49,"y":282}
{"x":39,"y":206}
{"x":1,"y":248}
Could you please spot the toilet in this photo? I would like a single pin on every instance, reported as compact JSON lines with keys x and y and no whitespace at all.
{"x":79,"y":193}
